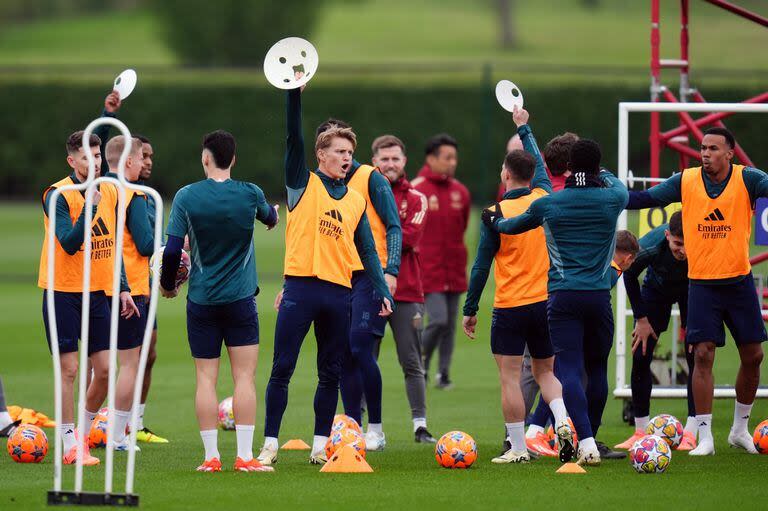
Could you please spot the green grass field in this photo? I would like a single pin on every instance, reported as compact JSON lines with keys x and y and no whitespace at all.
{"x":444,"y":41}
{"x":406,"y":475}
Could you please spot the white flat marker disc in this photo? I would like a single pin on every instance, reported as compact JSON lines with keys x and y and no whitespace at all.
{"x":509,"y":95}
{"x":286,"y":58}
{"x":125,"y":83}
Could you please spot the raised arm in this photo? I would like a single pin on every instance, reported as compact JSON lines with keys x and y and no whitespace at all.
{"x":366,"y":247}
{"x":383,"y":201}
{"x":531,"y":219}
{"x":540,"y":176}
{"x":111,"y":106}
{"x":296,"y":171}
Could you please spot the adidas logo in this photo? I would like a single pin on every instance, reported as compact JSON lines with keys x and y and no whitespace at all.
{"x":100,"y":228}
{"x":335,"y":214}
{"x":715,"y":216}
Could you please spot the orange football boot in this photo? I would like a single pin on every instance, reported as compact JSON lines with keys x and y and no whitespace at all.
{"x":540,"y":445}
{"x":211,"y":465}
{"x":688,"y":443}
{"x":251,"y":466}
{"x":70,"y":458}
{"x":629,"y":442}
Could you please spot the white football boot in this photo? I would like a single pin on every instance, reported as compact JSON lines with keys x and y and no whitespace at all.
{"x":267,"y":456}
{"x":589,"y":457}
{"x":375,"y":441}
{"x":512,"y":457}
{"x":741,"y":440}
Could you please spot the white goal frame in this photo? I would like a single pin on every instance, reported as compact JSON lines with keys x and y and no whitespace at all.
{"x":623,"y":390}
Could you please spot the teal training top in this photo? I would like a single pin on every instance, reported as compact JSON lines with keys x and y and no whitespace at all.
{"x":219,"y":218}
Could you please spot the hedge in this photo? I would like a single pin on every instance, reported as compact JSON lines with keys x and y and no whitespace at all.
{"x":38,"y":118}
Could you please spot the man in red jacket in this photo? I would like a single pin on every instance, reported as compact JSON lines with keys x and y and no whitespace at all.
{"x":443,"y":252}
{"x":389,"y":157}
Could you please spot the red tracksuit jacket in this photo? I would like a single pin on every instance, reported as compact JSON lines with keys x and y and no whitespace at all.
{"x":442,"y":249}
{"x":412,"y":207}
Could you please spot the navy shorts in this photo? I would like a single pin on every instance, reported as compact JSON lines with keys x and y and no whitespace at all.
{"x":68,"y":308}
{"x":130,"y":332}
{"x":659,"y":307}
{"x":366,"y":305}
{"x":736,"y":305}
{"x":514,"y":328}
{"x":236,"y":324}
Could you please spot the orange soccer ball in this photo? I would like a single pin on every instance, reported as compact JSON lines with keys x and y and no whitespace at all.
{"x":346,"y":436}
{"x":761,"y":437}
{"x":28,"y":444}
{"x":456,"y":449}
{"x":97,"y":436}
{"x":341,"y":422}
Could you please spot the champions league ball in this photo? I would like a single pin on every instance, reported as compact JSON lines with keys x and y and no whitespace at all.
{"x":650,"y":455}
{"x":668,"y":428}
{"x":185,"y":265}
{"x":226,"y":414}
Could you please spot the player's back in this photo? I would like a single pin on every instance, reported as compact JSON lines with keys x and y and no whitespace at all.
{"x":220,"y":219}
{"x":580,"y":224}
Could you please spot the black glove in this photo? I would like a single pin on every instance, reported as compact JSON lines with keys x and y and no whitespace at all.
{"x":490,"y":216}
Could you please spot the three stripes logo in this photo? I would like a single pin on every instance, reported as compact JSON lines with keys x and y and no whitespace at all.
{"x":99,"y":228}
{"x":331,"y":226}
{"x":335,"y":214}
{"x":715,"y":216}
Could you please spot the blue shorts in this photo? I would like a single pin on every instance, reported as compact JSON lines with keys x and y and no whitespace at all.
{"x":130,"y":332}
{"x":366,"y":305}
{"x":581,"y":321}
{"x":659,"y":307}
{"x":514,"y":328}
{"x":68,"y":309}
{"x":736,"y":305}
{"x":236,"y":324}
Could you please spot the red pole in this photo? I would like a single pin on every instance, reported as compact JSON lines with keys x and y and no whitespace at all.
{"x":655,"y":87}
{"x":740,"y":11}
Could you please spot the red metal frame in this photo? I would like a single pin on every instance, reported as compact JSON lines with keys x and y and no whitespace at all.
{"x":677,"y":139}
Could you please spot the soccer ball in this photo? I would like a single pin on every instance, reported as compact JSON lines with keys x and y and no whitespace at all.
{"x":346,"y":436}
{"x":185,"y":265}
{"x":650,"y":455}
{"x":28,"y":444}
{"x":668,"y":428}
{"x":226,"y":414}
{"x":761,"y":437}
{"x":456,"y":449}
{"x":342,"y":422}
{"x":97,"y":436}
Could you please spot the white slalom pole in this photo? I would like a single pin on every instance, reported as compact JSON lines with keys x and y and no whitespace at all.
{"x":621,"y":293}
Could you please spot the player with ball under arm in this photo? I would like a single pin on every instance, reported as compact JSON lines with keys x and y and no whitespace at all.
{"x":218,"y":214}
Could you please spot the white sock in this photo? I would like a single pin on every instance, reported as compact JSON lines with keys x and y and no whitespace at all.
{"x":419,"y":422}
{"x":89,"y":416}
{"x":5,"y":419}
{"x":641,"y":423}
{"x":121,"y":421}
{"x":587,"y":444}
{"x":270,"y":442}
{"x":741,"y":414}
{"x":692,"y":426}
{"x":516,"y":434}
{"x":68,"y":436}
{"x":318,"y":444}
{"x":558,"y":410}
{"x":704,"y":427}
{"x":533,"y":430}
{"x":244,"y":441}
{"x":140,"y":425}
{"x":374,"y":428}
{"x":211,"y":443}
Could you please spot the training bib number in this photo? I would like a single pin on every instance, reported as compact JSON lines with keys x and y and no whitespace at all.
{"x":654,"y":217}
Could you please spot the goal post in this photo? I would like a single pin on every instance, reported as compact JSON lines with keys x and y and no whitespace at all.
{"x":622,"y":389}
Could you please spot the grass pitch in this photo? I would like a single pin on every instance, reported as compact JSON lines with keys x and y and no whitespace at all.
{"x":406,"y":475}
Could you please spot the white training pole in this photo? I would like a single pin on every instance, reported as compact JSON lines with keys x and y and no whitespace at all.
{"x":622,"y":390}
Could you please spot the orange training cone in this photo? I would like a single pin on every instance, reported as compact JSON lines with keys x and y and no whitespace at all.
{"x":297,"y":444}
{"x":571,"y":468}
{"x":346,"y":460}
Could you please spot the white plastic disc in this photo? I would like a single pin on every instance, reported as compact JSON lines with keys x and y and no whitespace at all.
{"x":287,"y":57}
{"x":125,"y":83}
{"x":509,"y":95}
